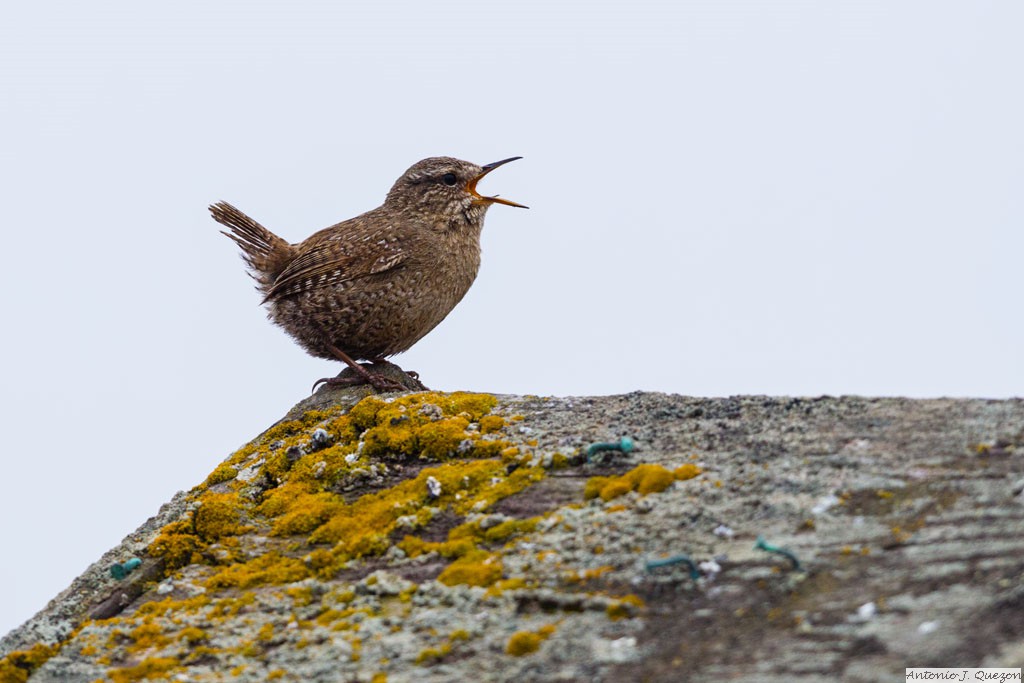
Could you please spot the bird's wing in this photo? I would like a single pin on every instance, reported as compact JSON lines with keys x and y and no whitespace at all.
{"x":325,"y":260}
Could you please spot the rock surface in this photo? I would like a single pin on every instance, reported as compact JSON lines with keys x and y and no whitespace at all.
{"x":323,"y":551}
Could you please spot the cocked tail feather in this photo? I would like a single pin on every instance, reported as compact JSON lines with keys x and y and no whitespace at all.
{"x":266,"y":254}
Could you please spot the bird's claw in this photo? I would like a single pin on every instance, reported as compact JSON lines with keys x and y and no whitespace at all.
{"x":378,"y":382}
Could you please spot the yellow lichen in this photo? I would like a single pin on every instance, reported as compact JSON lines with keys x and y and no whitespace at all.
{"x":192,"y":635}
{"x":217,"y":516}
{"x":177,"y":544}
{"x":499,"y":587}
{"x":527,"y":642}
{"x":154,"y":667}
{"x":491,"y":423}
{"x":268,"y":568}
{"x":627,"y":606}
{"x":615,"y":488}
{"x":523,"y":643}
{"x":147,"y":635}
{"x":298,"y":502}
{"x":433,"y":654}
{"x":643,"y":479}
{"x":265,"y":633}
{"x":592,"y":489}
{"x":162,"y":607}
{"x":305,"y":513}
{"x":19,"y":665}
{"x":587,"y":574}
{"x":687,"y":471}
{"x":510,"y":528}
{"x":476,"y":568}
{"x":224,"y":472}
{"x":650,"y":478}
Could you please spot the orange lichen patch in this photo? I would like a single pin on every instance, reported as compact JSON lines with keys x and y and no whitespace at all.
{"x":231,"y":606}
{"x":147,"y":635}
{"x":416,"y":435}
{"x":192,"y":636}
{"x":587,"y":574}
{"x":499,"y":587}
{"x":159,"y":608}
{"x":687,"y":471}
{"x":198,"y":653}
{"x":433,"y":654}
{"x":643,"y":479}
{"x":465,"y":538}
{"x":269,"y":568}
{"x":411,"y":425}
{"x":592,"y":489}
{"x":527,"y":642}
{"x":177,"y":544}
{"x":303,"y":513}
{"x":374,"y":515}
{"x":491,"y":423}
{"x":429,"y":426}
{"x":217,"y":516}
{"x":650,"y":478}
{"x":296,"y":484}
{"x":615,"y":488}
{"x":224,"y":472}
{"x":523,"y":643}
{"x":300,"y":595}
{"x":476,"y":568}
{"x":627,"y":606}
{"x":509,"y":529}
{"x":19,"y":665}
{"x":181,"y":542}
{"x":364,"y":527}
{"x":154,"y":667}
{"x":414,"y":546}
{"x":287,"y":428}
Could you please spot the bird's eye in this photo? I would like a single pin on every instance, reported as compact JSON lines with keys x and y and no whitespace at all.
{"x":449,"y":179}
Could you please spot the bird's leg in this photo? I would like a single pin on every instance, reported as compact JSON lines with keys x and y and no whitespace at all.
{"x":364,"y":376}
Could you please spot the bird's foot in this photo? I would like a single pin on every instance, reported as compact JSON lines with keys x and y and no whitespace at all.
{"x":411,"y":373}
{"x":384,"y":376}
{"x":378,"y":382}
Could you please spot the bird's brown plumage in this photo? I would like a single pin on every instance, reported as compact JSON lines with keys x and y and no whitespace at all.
{"x":374,"y":285}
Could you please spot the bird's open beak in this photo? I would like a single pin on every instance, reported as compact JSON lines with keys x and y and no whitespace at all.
{"x":481,"y":199}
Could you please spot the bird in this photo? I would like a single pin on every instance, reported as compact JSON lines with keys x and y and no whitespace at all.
{"x":370,"y":287}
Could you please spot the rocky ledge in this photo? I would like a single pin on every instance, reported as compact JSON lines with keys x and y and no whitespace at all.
{"x":445,"y":537}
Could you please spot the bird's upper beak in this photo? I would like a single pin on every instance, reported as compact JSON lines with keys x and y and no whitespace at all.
{"x":481,"y":199}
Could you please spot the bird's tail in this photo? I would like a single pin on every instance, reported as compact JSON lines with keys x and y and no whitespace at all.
{"x":265,"y":253}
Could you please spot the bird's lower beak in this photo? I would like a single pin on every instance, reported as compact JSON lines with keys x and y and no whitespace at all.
{"x":481,"y":199}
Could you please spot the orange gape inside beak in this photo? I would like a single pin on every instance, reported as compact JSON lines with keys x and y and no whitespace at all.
{"x":481,"y":199}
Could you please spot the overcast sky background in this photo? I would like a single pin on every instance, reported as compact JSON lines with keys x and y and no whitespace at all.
{"x":726,"y":197}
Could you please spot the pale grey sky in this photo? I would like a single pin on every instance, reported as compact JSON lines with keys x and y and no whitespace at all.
{"x":726,"y":197}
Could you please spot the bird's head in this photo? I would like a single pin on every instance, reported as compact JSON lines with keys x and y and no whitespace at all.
{"x":445,"y":188}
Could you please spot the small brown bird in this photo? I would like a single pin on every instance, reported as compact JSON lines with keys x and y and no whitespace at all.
{"x":372,"y":286}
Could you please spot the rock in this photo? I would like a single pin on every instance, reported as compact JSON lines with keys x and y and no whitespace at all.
{"x":897,"y":509}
